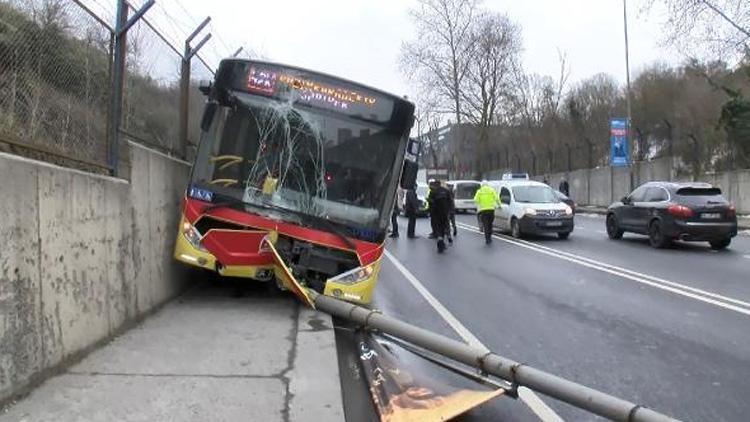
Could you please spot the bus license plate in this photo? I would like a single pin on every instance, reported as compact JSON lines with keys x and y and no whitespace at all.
{"x":711,"y":215}
{"x":554,"y":223}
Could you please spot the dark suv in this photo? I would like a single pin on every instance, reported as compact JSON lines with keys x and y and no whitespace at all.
{"x":668,"y":211}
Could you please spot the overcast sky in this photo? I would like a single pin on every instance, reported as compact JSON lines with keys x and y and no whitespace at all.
{"x":361,"y":39}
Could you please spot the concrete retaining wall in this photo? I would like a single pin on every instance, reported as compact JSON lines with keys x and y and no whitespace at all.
{"x":601,"y":186}
{"x":80,"y":256}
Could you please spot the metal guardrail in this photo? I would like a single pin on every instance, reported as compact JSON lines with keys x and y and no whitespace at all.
{"x":518,"y":374}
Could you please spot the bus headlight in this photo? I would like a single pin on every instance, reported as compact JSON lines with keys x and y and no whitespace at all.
{"x":356,"y":275}
{"x":192,"y":236}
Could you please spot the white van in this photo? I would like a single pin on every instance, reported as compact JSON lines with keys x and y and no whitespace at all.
{"x":463,"y":194}
{"x":530,"y":207}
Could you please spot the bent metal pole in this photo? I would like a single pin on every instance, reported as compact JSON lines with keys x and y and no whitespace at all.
{"x":570,"y":392}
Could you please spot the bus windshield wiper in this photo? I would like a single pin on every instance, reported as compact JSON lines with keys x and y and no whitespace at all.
{"x":226,"y":202}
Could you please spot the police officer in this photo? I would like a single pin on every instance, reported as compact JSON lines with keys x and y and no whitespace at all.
{"x":487,"y":201}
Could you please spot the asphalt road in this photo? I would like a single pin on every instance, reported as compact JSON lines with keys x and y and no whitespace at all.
{"x":669,"y":329}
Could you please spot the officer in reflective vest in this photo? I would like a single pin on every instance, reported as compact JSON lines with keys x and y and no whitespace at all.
{"x":487,"y":201}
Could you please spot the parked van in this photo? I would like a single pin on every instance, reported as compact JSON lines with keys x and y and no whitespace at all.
{"x":530,"y":207}
{"x":463,"y":194}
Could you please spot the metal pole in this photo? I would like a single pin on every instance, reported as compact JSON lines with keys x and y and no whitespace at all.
{"x":116,"y":88}
{"x":628,"y":93}
{"x":517,"y":373}
{"x":185,"y":85}
{"x":118,"y":79}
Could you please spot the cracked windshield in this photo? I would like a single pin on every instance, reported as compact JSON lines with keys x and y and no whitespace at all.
{"x":298,"y":144}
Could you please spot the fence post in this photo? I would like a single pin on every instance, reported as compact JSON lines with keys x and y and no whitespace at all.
{"x":185,"y":83}
{"x":117,"y":81}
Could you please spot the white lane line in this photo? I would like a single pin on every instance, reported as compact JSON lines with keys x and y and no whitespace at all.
{"x":686,"y":291}
{"x":544,"y":412}
{"x":746,"y":256}
{"x":638,"y":274}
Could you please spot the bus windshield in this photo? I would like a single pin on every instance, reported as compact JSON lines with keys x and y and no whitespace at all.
{"x":286,"y":153}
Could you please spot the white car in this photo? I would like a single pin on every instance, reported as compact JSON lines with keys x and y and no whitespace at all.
{"x":463,"y":194}
{"x":530,"y":207}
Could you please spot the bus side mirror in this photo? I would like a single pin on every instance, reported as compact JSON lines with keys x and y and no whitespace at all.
{"x":208,"y":116}
{"x":204,"y":86}
{"x":409,"y":175}
{"x":411,"y":165}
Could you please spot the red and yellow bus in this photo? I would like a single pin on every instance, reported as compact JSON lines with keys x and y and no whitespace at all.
{"x":297,"y":166}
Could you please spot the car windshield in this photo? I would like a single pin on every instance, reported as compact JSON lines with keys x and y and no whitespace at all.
{"x":314,"y":162}
{"x":534,"y":194}
{"x":423,"y":190}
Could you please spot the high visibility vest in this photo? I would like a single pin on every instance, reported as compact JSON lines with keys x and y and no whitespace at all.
{"x":486,"y":198}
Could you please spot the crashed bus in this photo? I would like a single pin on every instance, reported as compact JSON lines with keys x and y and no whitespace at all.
{"x":295,"y":178}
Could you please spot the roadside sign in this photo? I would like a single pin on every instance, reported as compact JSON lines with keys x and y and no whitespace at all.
{"x":618,"y":142}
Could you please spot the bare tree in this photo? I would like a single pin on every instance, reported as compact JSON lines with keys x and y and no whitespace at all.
{"x":713,"y":26}
{"x":437,"y":59}
{"x":495,"y":53}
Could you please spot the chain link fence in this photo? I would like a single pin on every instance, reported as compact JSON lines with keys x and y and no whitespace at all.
{"x":151,"y":100}
{"x":56,"y":66}
{"x":54,"y":82}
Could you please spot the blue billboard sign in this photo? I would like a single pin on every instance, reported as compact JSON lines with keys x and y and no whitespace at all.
{"x":618,"y":142}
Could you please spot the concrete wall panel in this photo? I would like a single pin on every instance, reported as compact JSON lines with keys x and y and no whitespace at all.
{"x":82,"y":255}
{"x":20,"y":316}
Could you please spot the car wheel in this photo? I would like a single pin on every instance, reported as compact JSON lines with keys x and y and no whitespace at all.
{"x":656,"y":236}
{"x":613,"y":228}
{"x":515,"y":228}
{"x":563,"y":235}
{"x":720,"y":244}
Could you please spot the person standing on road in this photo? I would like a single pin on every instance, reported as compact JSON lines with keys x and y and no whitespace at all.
{"x":487,"y":201}
{"x":430,"y":212}
{"x":411,"y":205}
{"x":564,"y":187}
{"x":394,"y":219}
{"x":439,"y":201}
{"x":452,"y":212}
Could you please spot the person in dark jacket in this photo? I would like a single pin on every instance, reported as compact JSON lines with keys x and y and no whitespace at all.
{"x":439,"y":201}
{"x":564,"y":187}
{"x":394,"y":219}
{"x":452,"y":212}
{"x":411,"y":205}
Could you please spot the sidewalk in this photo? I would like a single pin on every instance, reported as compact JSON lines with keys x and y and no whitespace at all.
{"x":743,"y":221}
{"x":207,"y":356}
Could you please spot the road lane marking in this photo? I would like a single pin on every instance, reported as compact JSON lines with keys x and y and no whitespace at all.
{"x":746,"y":256}
{"x":632,"y":272}
{"x":530,"y":398}
{"x":670,"y":286}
